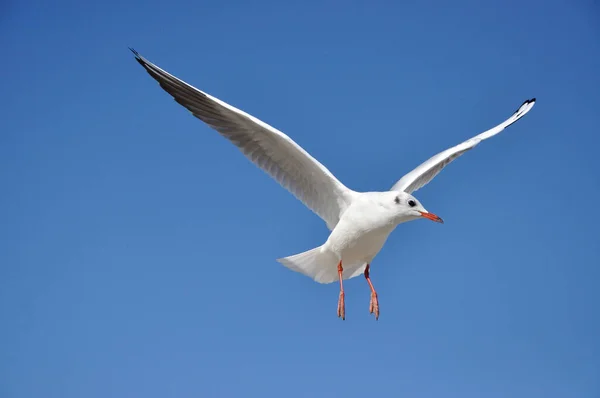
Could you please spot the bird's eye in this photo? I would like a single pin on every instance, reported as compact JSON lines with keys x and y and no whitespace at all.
{"x":412,"y":203}
{"x":397,"y":200}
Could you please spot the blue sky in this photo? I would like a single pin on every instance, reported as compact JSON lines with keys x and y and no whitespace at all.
{"x":138,"y":247}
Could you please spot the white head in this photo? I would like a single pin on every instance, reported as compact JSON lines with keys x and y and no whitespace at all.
{"x":406,"y":207}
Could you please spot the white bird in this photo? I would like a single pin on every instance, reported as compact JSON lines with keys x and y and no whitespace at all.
{"x":360,"y":222}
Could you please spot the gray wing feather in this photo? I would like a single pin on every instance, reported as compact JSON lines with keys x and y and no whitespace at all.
{"x":268,"y":148}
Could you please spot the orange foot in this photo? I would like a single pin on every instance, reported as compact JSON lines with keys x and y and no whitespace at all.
{"x":374,"y":305}
{"x":341,"y":311}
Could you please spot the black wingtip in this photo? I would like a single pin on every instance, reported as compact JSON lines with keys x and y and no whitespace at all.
{"x":526,"y":102}
{"x":138,"y":57}
{"x":529,"y":101}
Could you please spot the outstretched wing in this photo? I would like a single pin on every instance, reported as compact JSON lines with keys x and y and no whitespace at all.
{"x":268,"y":148}
{"x":430,"y":168}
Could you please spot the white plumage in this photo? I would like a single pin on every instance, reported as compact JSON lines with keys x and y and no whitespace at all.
{"x":360,"y":222}
{"x":430,"y":168}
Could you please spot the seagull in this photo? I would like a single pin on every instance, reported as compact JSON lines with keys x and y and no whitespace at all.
{"x":360,"y":222}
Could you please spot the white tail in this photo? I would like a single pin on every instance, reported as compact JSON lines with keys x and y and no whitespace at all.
{"x":319,"y":264}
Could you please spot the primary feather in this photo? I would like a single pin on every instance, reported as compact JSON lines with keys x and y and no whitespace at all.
{"x":268,"y":148}
{"x":425,"y":172}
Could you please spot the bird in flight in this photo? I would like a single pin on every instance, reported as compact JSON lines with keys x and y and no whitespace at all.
{"x":360,"y":222}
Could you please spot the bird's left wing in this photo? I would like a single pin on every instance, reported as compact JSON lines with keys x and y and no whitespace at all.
{"x":430,"y":168}
{"x":268,"y":148}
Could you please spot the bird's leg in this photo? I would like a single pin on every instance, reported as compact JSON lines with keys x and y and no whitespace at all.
{"x":341,"y":311}
{"x":374,"y":305}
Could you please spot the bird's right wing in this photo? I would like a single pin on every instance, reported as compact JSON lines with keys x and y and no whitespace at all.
{"x":430,"y":168}
{"x":268,"y":148}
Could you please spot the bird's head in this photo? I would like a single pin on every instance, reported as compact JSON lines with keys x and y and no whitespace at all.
{"x":406,"y":208}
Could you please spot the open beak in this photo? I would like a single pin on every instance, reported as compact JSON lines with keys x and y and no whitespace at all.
{"x":431,"y":217}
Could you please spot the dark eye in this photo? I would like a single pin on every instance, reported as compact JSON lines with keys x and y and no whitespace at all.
{"x":412,"y":203}
{"x":397,"y":200}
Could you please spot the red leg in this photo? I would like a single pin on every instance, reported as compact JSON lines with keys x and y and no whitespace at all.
{"x":341,"y":310}
{"x":374,"y":305}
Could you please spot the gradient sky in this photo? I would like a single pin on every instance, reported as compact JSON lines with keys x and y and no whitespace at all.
{"x":138,"y":247}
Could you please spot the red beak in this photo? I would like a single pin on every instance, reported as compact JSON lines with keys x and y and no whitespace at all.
{"x":432,"y":217}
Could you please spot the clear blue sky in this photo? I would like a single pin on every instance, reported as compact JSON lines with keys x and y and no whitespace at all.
{"x":138,"y":247}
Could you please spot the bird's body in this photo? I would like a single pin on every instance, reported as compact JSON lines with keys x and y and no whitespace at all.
{"x":355,"y":241}
{"x":361,"y":232}
{"x":360,"y":222}
{"x":357,"y":238}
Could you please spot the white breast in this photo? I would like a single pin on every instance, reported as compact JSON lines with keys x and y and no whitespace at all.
{"x":360,"y":234}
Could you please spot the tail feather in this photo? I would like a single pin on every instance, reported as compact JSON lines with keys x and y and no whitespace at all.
{"x":319,"y":264}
